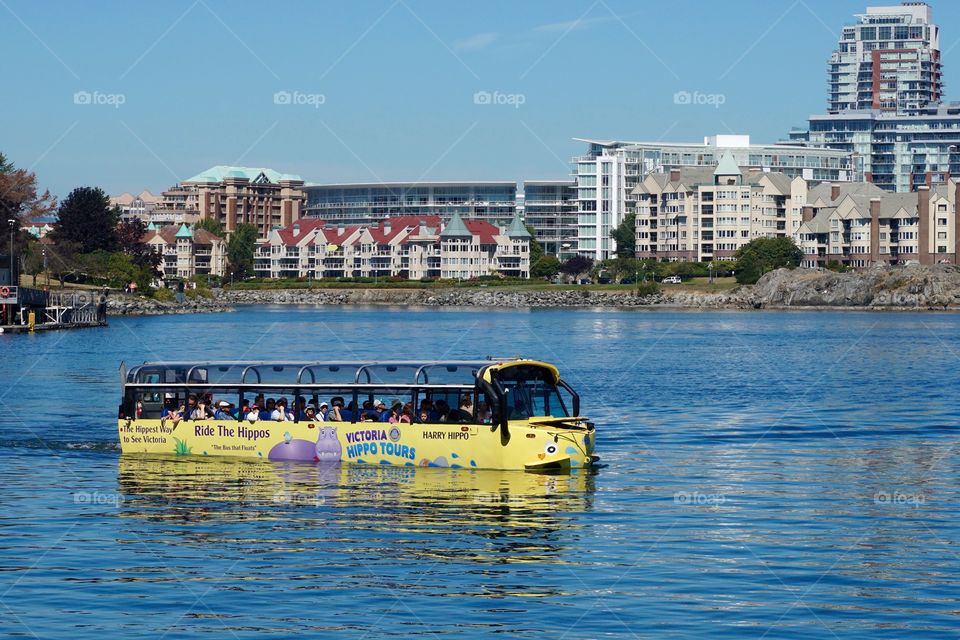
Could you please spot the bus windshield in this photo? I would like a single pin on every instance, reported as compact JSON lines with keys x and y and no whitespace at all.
{"x":530,"y":391}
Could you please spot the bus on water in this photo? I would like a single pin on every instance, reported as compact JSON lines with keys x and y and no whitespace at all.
{"x":499,"y":413}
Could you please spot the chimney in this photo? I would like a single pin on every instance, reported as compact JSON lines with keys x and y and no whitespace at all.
{"x":807,"y":213}
{"x":923,"y":230}
{"x":874,"y":230}
{"x":834,"y":192}
{"x":674,"y":175}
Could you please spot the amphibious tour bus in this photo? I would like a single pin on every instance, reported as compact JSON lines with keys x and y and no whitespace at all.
{"x":499,"y":413}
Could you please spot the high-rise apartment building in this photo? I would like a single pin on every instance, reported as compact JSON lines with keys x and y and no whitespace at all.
{"x":885,"y":101}
{"x":889,"y":60}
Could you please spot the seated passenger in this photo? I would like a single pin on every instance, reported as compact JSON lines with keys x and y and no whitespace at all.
{"x":241,"y":412}
{"x":406,"y":414}
{"x":300,"y":407}
{"x":381,"y":410}
{"x":223,"y":411}
{"x":442,"y":410}
{"x":269,"y":407}
{"x":427,"y":406}
{"x":280,"y":412}
{"x":170,"y":410}
{"x":464,"y":413}
{"x":336,"y":410}
{"x":424,"y":417}
{"x":253,"y":414}
{"x":322,"y":411}
{"x":310,"y":414}
{"x":483,"y":413}
{"x":394,"y":416}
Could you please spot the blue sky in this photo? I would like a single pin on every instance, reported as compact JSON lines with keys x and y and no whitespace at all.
{"x":133,"y":95}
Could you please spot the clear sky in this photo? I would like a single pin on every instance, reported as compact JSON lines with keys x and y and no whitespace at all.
{"x":130,"y":95}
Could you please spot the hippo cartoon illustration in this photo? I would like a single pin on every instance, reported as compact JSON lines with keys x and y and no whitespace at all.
{"x":328,"y":447}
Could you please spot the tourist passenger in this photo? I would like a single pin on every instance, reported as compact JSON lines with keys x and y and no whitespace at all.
{"x":336,"y":410}
{"x":323,"y":410}
{"x":280,"y":412}
{"x":253,"y":414}
{"x":394,"y":414}
{"x":424,"y":416}
{"x":170,"y":410}
{"x":269,"y":407}
{"x":406,"y":414}
{"x":464,"y":413}
{"x":310,"y":414}
{"x":483,"y":413}
{"x":241,"y":412}
{"x":442,"y":410}
{"x":223,"y":411}
{"x":300,"y":407}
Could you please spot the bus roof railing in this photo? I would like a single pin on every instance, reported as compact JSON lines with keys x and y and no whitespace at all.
{"x":352,"y":371}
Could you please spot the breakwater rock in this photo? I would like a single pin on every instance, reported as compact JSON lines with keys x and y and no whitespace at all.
{"x":130,"y":305}
{"x":475,"y":297}
{"x":902,"y":287}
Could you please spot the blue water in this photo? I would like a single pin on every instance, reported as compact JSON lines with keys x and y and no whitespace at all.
{"x":776,"y":475}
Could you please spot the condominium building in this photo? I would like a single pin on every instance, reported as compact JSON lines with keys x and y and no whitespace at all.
{"x":187,"y":252}
{"x":233,"y":195}
{"x":861,"y":225}
{"x":702,"y":214}
{"x":364,"y":203}
{"x":138,"y":206}
{"x":889,"y":61}
{"x":550,"y":208}
{"x":608,"y":174}
{"x":411,"y":247}
{"x":885,"y":101}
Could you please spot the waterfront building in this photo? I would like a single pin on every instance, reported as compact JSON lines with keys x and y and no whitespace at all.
{"x":607,"y":175}
{"x":885,"y":101}
{"x":140,"y":206}
{"x":262,"y":197}
{"x":187,"y":252}
{"x":409,"y":247}
{"x":367,"y":202}
{"x":550,"y":208}
{"x":700,"y":214}
{"x":861,"y":225}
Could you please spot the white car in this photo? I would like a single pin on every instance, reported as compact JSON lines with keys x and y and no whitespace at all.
{"x":671,"y":280}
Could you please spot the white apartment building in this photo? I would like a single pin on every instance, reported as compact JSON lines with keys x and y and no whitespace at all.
{"x":410,"y":247}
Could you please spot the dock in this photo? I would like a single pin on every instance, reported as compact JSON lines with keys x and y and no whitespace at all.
{"x":34,"y":310}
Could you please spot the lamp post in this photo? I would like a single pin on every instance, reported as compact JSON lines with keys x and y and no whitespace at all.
{"x":44,"y":251}
{"x":13,"y":225}
{"x":710,"y":269}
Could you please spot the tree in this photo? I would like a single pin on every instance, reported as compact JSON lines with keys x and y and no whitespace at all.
{"x":85,"y":218}
{"x":762,"y":255}
{"x":625,"y":235}
{"x":240,"y":249}
{"x":576,"y":265}
{"x":210,"y":224}
{"x":20,"y":202}
{"x":536,"y":249}
{"x":63,"y":259}
{"x":546,"y":267}
{"x":130,"y":235}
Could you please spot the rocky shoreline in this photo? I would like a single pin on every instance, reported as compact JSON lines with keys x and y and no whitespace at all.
{"x":882,"y":288}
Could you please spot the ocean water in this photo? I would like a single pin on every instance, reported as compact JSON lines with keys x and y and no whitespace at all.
{"x":766,"y":474}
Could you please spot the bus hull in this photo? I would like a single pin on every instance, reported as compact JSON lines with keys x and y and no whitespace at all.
{"x":546,"y":446}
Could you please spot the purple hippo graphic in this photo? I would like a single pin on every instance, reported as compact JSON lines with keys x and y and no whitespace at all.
{"x":328,"y":449}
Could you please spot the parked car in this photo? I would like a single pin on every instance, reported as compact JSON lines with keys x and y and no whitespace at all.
{"x":671,"y":280}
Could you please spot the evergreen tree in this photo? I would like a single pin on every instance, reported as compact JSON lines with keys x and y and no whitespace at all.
{"x":86,"y":219}
{"x":625,"y":235}
{"x":240,"y":250}
{"x":762,"y":255}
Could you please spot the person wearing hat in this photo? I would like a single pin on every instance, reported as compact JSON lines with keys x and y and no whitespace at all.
{"x":222,"y":410}
{"x":322,"y":411}
{"x":310,"y":414}
{"x":253,"y":414}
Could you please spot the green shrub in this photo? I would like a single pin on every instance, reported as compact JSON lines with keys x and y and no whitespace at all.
{"x":649,"y":288}
{"x":199,"y":292}
{"x":164,"y":295}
